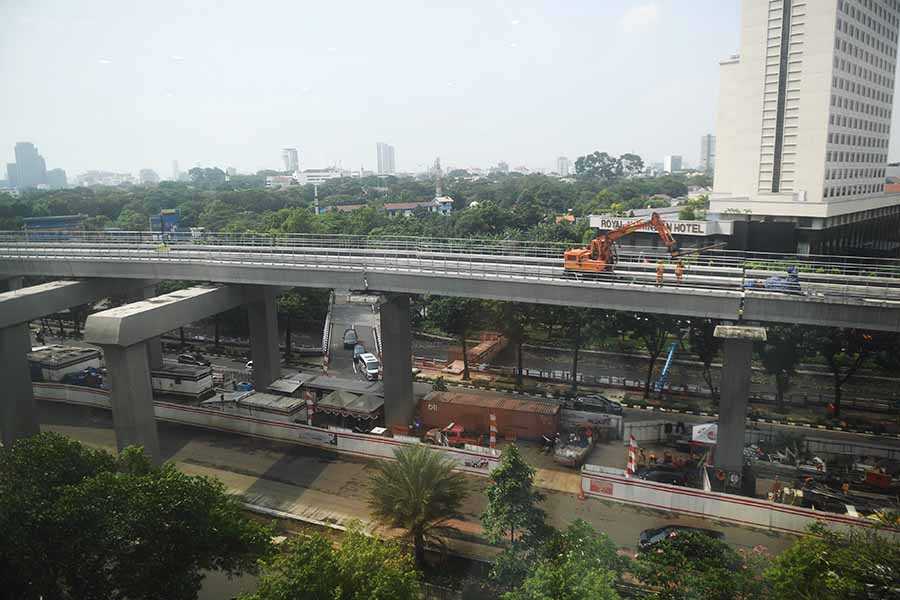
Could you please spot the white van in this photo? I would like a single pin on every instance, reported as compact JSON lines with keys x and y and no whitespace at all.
{"x":368,"y":365}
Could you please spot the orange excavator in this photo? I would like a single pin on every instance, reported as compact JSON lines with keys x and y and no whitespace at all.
{"x":601,"y":255}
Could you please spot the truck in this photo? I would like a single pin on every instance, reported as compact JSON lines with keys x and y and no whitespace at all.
{"x":452,"y":435}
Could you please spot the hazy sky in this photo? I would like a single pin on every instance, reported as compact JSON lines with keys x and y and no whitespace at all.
{"x":122,"y":85}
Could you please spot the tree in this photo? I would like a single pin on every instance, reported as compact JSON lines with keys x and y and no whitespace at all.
{"x":780,"y":355}
{"x":831,"y":565}
{"x":512,"y":512}
{"x":844,"y":351}
{"x":418,"y":492}
{"x":361,"y":567}
{"x":653,"y":332}
{"x":705,"y":345}
{"x":694,"y":566}
{"x":599,"y":165}
{"x":80,"y":523}
{"x":574,"y":564}
{"x":631,"y":164}
{"x":459,"y":316}
{"x":513,"y":319}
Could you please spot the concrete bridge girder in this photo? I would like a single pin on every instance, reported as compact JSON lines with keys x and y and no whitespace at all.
{"x":123,"y":333}
{"x":18,"y":306}
{"x":720,"y":304}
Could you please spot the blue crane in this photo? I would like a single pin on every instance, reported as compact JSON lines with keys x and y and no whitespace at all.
{"x":664,"y":375}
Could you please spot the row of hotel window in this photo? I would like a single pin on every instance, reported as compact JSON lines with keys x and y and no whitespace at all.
{"x":855,"y":157}
{"x":862,"y":107}
{"x":858,"y":88}
{"x":853,"y":173}
{"x":853,"y":190}
{"x":857,"y":123}
{"x":862,"y":54}
{"x":851,"y":139}
{"x":875,"y":7}
{"x":867,"y":38}
{"x":857,"y":70}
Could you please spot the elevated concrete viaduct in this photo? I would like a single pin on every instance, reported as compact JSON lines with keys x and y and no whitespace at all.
{"x":17,"y":308}
{"x":123,"y":332}
{"x":873,"y":314}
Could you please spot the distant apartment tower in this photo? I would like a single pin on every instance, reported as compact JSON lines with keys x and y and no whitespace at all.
{"x":30,"y":168}
{"x":176,"y":174}
{"x":672,"y":164}
{"x":804,"y":123}
{"x":386,"y":164}
{"x":56,"y":179}
{"x":291,"y":160}
{"x":707,"y":153}
{"x":148,"y":177}
{"x":562,"y":166}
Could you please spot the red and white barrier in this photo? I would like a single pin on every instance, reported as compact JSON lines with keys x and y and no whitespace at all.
{"x":612,"y":484}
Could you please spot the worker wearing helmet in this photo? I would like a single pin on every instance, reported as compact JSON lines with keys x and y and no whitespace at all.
{"x":679,"y":271}
{"x":660,"y":270}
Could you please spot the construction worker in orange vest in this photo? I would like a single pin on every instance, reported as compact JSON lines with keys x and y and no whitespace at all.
{"x":679,"y":271}
{"x":660,"y":270}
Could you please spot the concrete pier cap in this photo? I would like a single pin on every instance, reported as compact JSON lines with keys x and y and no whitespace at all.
{"x":740,"y":332}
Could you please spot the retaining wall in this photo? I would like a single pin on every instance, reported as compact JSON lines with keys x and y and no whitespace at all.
{"x":475,"y":460}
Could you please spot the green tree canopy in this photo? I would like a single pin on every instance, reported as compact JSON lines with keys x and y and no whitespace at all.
{"x":360,"y":568}
{"x":693,"y":566}
{"x":830,"y":565}
{"x":419,"y":491}
{"x":79,"y":523}
{"x":512,"y":512}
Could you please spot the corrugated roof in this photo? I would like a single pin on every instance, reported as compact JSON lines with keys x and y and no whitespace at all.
{"x":532,"y":406}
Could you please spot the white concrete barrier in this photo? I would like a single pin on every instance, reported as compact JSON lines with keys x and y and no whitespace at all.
{"x":475,"y":460}
{"x":607,"y":484}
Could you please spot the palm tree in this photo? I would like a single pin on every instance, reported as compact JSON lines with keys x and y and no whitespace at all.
{"x":419,"y":492}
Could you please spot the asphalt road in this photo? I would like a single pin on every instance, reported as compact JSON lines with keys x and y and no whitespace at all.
{"x":337,"y":484}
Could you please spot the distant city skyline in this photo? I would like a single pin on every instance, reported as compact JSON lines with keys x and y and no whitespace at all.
{"x":148,"y":84}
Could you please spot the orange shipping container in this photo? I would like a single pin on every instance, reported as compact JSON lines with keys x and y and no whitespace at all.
{"x":526,"y":419}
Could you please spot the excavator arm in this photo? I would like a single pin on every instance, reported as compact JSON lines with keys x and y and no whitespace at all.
{"x":601,"y":254}
{"x":655,"y":221}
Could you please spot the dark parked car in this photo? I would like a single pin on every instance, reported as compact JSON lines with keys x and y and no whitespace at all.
{"x":661,"y":474}
{"x":597,"y":403}
{"x":651,"y":537}
{"x":350,"y":338}
{"x":193,"y":359}
{"x":357,"y":350}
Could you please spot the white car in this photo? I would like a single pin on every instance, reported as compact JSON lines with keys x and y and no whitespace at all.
{"x":368,"y":364}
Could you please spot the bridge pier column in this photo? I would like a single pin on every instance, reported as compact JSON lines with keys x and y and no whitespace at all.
{"x":18,"y":415}
{"x":396,"y":341}
{"x":262,"y":314}
{"x":735,"y":392}
{"x":132,"y":398}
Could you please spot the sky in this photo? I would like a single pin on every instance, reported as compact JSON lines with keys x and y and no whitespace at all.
{"x":120,"y":85}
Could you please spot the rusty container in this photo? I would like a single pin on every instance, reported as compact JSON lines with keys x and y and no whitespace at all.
{"x":516,"y":418}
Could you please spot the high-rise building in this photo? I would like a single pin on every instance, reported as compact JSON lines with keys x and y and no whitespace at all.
{"x":804,"y":121}
{"x":672,"y":164}
{"x":707,"y":153}
{"x":386,"y":165}
{"x":291,"y":160}
{"x":176,"y":174}
{"x":12,"y":174}
{"x":30,"y":166}
{"x":562,"y":166}
{"x":148,"y":177}
{"x":56,"y":179}
{"x":230,"y":171}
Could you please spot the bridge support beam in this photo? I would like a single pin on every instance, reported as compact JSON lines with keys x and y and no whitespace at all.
{"x":396,"y":341}
{"x":262,"y":315}
{"x":735,"y":391}
{"x":132,"y":398}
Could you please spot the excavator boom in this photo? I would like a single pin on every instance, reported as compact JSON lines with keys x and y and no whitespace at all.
{"x":601,"y":254}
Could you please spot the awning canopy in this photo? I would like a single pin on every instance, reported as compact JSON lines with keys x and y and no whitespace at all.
{"x":339,"y":402}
